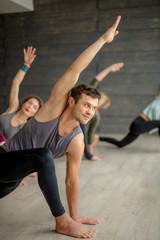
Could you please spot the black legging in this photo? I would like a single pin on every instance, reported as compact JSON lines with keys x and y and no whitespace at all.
{"x":87,"y":153}
{"x":137,"y":127}
{"x":16,"y":165}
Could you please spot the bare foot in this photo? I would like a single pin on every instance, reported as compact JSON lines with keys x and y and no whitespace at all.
{"x":96,"y":158}
{"x":23,"y":184}
{"x":85,"y":220}
{"x":33,"y":175}
{"x":66,"y":225}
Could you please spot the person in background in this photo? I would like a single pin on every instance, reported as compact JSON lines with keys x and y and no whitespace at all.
{"x":16,"y":115}
{"x":104,"y":103}
{"x":147,"y":121}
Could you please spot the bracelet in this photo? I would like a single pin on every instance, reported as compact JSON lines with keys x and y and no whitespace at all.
{"x":28,"y":63}
{"x":24,"y":68}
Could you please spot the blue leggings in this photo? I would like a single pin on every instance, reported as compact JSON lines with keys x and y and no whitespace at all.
{"x":16,"y":165}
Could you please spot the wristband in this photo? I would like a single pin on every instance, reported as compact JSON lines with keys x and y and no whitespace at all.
{"x":28,"y":63}
{"x":24,"y":68}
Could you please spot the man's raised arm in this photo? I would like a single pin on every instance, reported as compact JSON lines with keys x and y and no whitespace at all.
{"x":70,"y":78}
{"x":60,"y":92}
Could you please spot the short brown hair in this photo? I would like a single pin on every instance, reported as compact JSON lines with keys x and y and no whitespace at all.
{"x":87,"y":89}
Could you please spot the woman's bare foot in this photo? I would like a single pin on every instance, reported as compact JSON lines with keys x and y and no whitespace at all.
{"x":66,"y":225}
{"x":96,"y":158}
{"x":33,"y":175}
{"x":23,"y":184}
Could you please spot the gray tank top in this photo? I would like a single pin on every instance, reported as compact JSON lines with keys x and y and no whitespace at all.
{"x":35,"y":134}
{"x":5,"y":126}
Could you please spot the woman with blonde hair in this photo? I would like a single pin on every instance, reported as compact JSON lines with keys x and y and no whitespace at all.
{"x":90,"y":138}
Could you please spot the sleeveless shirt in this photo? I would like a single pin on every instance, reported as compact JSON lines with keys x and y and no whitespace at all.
{"x":153,"y":110}
{"x":35,"y":134}
{"x":5,"y":126}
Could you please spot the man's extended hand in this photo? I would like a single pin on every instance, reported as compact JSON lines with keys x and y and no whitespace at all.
{"x":109,"y":35}
{"x":85,"y":220}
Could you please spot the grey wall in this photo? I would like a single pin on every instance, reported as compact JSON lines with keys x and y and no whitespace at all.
{"x":62,"y":29}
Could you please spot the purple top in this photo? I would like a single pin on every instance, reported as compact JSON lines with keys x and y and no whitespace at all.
{"x":35,"y":134}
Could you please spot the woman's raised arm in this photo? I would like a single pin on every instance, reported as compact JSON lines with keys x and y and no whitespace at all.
{"x":29,"y":56}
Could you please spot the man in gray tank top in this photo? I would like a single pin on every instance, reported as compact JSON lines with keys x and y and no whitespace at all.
{"x":53,"y":132}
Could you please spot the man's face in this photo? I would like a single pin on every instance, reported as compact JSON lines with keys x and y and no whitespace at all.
{"x":84,"y":109}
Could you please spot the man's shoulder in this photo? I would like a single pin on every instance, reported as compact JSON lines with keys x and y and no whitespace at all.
{"x":77,"y":144}
{"x":78,"y":139}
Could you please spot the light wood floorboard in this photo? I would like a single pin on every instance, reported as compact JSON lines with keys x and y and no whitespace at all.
{"x":122,"y":191}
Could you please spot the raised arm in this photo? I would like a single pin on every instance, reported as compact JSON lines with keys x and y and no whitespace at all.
{"x":112,"y":68}
{"x":70,"y":78}
{"x":29,"y":57}
{"x":62,"y":88}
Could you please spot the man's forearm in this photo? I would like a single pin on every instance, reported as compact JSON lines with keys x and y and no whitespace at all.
{"x":87,"y":56}
{"x":72,"y":191}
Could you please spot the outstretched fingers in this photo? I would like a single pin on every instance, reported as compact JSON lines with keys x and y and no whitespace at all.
{"x":33,"y":51}
{"x":109,"y":35}
{"x":29,"y":49}
{"x":117,"y":66}
{"x":29,"y":54}
{"x":115,"y":25}
{"x":24,"y":51}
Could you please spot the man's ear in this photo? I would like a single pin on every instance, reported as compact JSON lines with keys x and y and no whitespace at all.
{"x":71,"y":102}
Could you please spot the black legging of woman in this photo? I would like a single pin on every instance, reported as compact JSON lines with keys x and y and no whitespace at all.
{"x":137,"y":127}
{"x":87,"y":153}
{"x":16,"y":165}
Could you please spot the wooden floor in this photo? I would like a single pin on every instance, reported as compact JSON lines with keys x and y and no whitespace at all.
{"x":122,"y":191}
